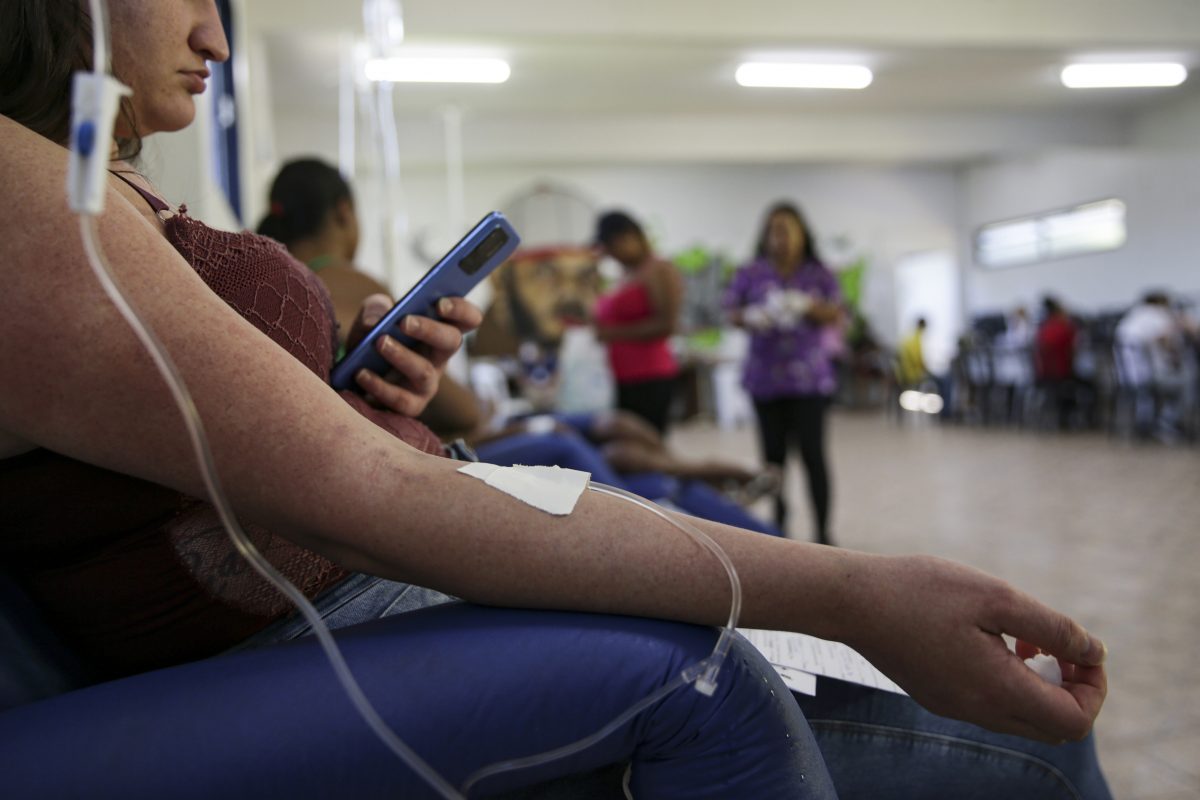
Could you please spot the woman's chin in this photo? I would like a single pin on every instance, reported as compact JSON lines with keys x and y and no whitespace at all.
{"x":167,"y":120}
{"x":179,"y":119}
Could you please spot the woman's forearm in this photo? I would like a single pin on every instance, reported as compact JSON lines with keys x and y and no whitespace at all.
{"x":449,"y":531}
{"x":931,"y":625}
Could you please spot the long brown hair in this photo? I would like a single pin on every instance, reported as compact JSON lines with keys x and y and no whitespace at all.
{"x":42,"y":44}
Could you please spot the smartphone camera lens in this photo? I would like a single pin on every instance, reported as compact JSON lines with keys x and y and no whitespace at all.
{"x":474,"y":260}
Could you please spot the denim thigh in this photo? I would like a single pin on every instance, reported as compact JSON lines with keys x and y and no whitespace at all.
{"x":358,"y":598}
{"x":884,"y":746}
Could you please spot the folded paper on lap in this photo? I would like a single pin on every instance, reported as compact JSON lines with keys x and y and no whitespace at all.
{"x":799,"y":653}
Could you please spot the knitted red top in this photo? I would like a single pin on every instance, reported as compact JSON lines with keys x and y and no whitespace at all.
{"x":137,"y":576}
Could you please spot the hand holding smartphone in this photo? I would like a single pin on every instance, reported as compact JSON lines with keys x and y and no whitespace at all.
{"x":488,"y":245}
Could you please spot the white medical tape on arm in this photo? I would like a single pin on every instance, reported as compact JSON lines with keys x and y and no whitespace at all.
{"x":551,"y":489}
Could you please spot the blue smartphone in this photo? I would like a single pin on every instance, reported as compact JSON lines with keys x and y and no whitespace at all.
{"x":487,"y":246}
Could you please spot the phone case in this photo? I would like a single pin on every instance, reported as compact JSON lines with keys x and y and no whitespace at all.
{"x":485,"y":247}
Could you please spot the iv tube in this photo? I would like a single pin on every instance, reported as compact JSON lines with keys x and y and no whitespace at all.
{"x":702,"y":673}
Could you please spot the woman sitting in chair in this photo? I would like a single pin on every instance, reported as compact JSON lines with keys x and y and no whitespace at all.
{"x":101,"y":521}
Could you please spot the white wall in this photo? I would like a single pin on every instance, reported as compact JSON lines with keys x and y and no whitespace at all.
{"x":1171,"y":126}
{"x":1162,"y":194}
{"x":570,"y":137}
{"x":927,"y":287}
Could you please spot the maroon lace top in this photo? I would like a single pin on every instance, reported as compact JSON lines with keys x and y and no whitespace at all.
{"x":137,"y":576}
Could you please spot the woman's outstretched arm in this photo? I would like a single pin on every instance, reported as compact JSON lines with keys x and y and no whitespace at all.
{"x":295,"y":458}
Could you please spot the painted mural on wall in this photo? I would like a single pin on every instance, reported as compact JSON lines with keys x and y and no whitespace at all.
{"x":535,"y":296}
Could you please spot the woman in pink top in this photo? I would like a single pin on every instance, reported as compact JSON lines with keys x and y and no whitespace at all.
{"x":637,"y":318}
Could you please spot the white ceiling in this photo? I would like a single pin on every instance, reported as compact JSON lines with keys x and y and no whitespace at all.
{"x":603,"y":80}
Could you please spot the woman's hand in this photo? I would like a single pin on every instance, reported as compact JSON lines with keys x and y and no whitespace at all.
{"x":416,"y":372}
{"x":757,"y":319}
{"x":935,"y":628}
{"x":822,"y":312}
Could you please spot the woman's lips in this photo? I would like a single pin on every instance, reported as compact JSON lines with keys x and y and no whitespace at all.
{"x":195,"y":81}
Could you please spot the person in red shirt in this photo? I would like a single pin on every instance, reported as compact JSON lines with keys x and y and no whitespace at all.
{"x":636,"y":320}
{"x":1055,"y":358}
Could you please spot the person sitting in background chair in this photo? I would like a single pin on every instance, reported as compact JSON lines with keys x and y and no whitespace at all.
{"x":1013,"y":365}
{"x":1151,"y":350}
{"x":312,"y":213}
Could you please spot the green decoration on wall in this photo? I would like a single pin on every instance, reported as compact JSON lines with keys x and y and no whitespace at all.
{"x":694,"y":260}
{"x":850,"y":280}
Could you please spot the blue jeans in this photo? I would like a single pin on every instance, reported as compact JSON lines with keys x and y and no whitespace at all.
{"x":358,"y":598}
{"x":883,"y":746}
{"x":752,"y":740}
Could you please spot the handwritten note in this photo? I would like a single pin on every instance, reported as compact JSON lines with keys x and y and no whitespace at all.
{"x":797,"y":681}
{"x":798,"y":653}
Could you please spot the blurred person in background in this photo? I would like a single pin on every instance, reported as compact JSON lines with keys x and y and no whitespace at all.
{"x":910,"y":357}
{"x":636,"y":320}
{"x":913,"y":373}
{"x":1054,"y":358}
{"x":1153,"y":325}
{"x":1150,"y":322}
{"x":1018,"y":330}
{"x":1013,"y":362}
{"x":1152,"y":341}
{"x":786,"y":298}
{"x":312,"y":213}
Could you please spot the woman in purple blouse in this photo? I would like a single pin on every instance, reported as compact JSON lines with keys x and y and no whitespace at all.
{"x":788,"y":300}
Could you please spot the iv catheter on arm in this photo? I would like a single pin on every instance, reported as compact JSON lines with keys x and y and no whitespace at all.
{"x":96,"y":98}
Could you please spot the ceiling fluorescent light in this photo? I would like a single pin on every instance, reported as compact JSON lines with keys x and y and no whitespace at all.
{"x":1111,"y":76}
{"x":438,"y":70}
{"x":803,"y":76}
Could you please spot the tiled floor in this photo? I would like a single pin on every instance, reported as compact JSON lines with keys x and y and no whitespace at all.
{"x":1106,"y":531}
